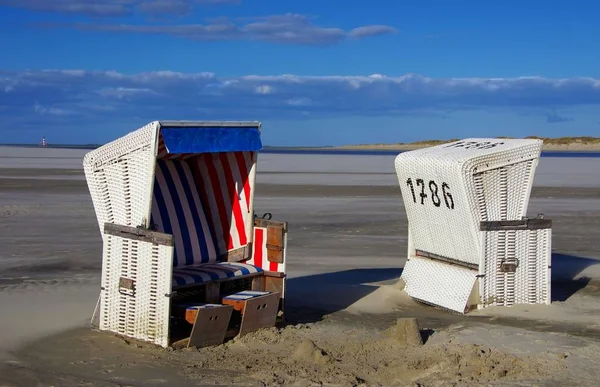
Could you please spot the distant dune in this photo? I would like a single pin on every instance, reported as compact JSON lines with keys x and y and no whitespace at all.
{"x":589,"y":144}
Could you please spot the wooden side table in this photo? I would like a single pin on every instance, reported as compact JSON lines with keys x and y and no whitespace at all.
{"x":258,"y":309}
{"x":209,"y":322}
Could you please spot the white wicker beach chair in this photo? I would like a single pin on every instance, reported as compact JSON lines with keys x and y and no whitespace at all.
{"x":174,"y":202}
{"x":469,"y":241}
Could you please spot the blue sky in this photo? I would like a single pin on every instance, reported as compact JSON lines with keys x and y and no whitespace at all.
{"x":314,"y":72}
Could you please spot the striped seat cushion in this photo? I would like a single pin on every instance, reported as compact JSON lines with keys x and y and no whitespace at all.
{"x":195,"y":275}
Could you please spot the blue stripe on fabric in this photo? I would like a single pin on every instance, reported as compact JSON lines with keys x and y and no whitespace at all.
{"x":194,"y":272}
{"x":243,"y":268}
{"x":205,"y":276}
{"x":164,"y":214}
{"x":196,"y":278}
{"x":225,"y":269}
{"x":199,"y":185}
{"x":258,"y":269}
{"x":180,"y":214}
{"x":211,"y":139}
{"x":249,"y":268}
{"x":180,"y":281}
{"x":213,"y":276}
{"x":195,"y":212}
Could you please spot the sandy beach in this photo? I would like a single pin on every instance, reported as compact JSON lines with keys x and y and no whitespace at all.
{"x":347,"y":246}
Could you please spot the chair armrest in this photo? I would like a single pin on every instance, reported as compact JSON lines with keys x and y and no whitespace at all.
{"x":274,"y":274}
{"x":138,"y":234}
{"x":524,"y":224}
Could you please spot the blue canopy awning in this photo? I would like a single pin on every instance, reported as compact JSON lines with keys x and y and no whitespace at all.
{"x":204,"y":139}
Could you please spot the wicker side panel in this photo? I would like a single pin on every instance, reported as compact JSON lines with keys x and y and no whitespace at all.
{"x":131,"y":142}
{"x":439,"y":224}
{"x":503,"y":193}
{"x":119,"y":177}
{"x":143,"y":311}
{"x":529,"y":283}
{"x":448,"y":191}
{"x":499,"y":184}
{"x":438,"y":283}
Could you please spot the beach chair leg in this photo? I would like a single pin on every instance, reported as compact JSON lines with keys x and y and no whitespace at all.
{"x":210,"y":326}
{"x":213,"y":291}
{"x":260,"y":312}
{"x":258,"y":283}
{"x":95,"y":320}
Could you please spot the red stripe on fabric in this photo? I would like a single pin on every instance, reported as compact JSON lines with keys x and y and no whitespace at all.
{"x":244,"y":173}
{"x":258,"y":246}
{"x":236,"y":208}
{"x":222,"y":211}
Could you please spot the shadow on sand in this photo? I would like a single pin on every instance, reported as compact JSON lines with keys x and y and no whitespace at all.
{"x":566,"y":278}
{"x":309,"y":298}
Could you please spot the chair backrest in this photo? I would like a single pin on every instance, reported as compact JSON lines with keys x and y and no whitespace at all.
{"x":120,"y":177}
{"x":204,"y":178}
{"x":177,"y":209}
{"x":204,"y":201}
{"x":449,"y":189}
{"x":191,"y":179}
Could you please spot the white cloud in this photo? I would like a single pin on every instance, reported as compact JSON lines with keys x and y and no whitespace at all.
{"x":124,"y":92}
{"x":39,"y":109}
{"x":373,"y":30}
{"x":301,"y":101}
{"x":262,"y":89}
{"x":111,"y":8}
{"x":288,"y":28}
{"x":87,"y":95}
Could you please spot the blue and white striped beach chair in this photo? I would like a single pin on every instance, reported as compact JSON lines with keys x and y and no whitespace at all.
{"x":174,"y":202}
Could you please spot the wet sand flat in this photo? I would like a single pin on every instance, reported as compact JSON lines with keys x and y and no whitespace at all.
{"x":347,"y":247}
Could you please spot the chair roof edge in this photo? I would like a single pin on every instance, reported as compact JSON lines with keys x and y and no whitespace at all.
{"x":212,"y":124}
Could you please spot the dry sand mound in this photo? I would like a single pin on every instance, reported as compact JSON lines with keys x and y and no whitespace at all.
{"x":322,"y":356}
{"x":308,"y":351}
{"x":324,"y":353}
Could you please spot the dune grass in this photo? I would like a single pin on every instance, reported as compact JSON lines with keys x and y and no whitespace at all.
{"x":548,"y":142}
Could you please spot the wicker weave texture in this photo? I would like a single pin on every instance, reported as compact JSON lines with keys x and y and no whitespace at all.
{"x":447,"y":190}
{"x":120,"y":175}
{"x":530,"y":250}
{"x":438,"y":283}
{"x":143,"y":315}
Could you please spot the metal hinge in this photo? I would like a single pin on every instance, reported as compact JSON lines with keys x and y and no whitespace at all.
{"x":509,"y":267}
{"x":126,"y":286}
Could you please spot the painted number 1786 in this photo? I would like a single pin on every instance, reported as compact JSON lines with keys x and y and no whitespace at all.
{"x":434,"y":190}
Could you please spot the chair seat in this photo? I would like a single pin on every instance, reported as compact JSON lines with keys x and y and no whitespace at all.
{"x":210,"y":272}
